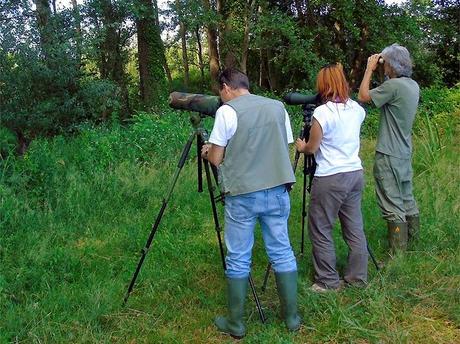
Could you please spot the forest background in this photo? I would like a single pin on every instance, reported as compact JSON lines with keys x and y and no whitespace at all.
{"x":88,"y":142}
{"x":106,"y":60}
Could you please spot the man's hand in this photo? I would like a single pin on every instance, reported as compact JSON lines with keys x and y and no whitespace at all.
{"x":213,"y":153}
{"x":372,"y":62}
{"x":205,"y":151}
{"x":363,"y":94}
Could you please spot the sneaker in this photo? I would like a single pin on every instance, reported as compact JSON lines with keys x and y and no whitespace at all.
{"x":317,"y":288}
{"x":320,"y":288}
{"x":355,"y":284}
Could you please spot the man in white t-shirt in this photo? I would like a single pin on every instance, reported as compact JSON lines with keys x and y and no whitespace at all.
{"x":249,"y":144}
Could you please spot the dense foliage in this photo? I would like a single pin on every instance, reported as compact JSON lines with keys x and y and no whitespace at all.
{"x":104,"y":60}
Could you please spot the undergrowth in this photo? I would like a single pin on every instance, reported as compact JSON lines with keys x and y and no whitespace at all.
{"x":75,"y":212}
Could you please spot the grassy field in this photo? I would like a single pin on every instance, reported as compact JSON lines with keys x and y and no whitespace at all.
{"x":75,"y":212}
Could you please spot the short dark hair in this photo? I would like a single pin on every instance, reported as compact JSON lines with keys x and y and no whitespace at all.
{"x":233,"y":78}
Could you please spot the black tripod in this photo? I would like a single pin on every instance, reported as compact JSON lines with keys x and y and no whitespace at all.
{"x":200,"y":133}
{"x":309,"y":168}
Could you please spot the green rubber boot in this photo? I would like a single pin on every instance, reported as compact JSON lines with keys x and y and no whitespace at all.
{"x":413,"y":227}
{"x":233,"y":324}
{"x":397,"y":236}
{"x":286,"y":284}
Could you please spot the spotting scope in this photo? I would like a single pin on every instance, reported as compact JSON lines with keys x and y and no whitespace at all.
{"x":295,"y":98}
{"x":204,"y":104}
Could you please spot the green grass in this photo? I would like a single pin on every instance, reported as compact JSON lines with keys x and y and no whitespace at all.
{"x":75,"y":212}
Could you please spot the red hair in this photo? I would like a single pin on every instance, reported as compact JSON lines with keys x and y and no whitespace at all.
{"x":332,"y":85}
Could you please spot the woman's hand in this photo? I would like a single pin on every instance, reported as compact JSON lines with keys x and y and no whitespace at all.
{"x":300,"y":145}
{"x":316,"y":136}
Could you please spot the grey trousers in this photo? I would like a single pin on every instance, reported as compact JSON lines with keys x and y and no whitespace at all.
{"x":393,"y":187}
{"x":339,"y":196}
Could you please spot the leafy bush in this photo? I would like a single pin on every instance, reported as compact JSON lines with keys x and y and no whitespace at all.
{"x":7,"y":142}
{"x":100,"y":99}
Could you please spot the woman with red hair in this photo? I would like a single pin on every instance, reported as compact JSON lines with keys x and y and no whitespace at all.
{"x":338,"y":182}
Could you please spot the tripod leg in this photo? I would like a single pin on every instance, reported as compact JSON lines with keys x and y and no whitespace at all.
{"x":305,"y":129}
{"x":218,"y":231}
{"x":145,"y":250}
{"x":214,"y":211}
{"x":199,"y":145}
{"x":297,"y":153}
{"x":256,"y":299}
{"x":304,"y":201}
{"x":373,"y":258}
{"x":267,"y":275}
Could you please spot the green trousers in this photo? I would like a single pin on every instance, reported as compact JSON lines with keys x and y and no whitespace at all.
{"x":393,"y":187}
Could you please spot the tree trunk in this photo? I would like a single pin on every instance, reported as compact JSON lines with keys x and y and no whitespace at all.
{"x":264,"y":74}
{"x":167,"y":72}
{"x":184,"y":56}
{"x":220,"y":4}
{"x":22,"y":142}
{"x":200,"y":56}
{"x":43,"y":13}
{"x":359,"y":58}
{"x":226,"y":47}
{"x":212,"y":51}
{"x":113,"y":64}
{"x":78,"y":36}
{"x":182,"y":33}
{"x":272,"y":71}
{"x":245,"y":47}
{"x":151,"y":58}
{"x":264,"y":81}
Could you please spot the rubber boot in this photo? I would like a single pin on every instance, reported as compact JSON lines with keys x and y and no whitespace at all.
{"x":233,"y":324}
{"x":413,"y":227}
{"x":397,"y":236}
{"x":286,"y":284}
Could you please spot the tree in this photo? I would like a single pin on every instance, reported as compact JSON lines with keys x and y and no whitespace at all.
{"x":214,"y":61}
{"x":39,"y":87}
{"x":78,"y":34}
{"x":444,"y":19}
{"x":150,"y":54}
{"x":183,"y":37}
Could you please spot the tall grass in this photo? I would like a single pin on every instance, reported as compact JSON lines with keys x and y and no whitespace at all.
{"x":75,"y":212}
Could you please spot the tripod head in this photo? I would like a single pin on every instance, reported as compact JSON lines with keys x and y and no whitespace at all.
{"x":307,"y":110}
{"x":196,"y":119}
{"x":309,"y":104}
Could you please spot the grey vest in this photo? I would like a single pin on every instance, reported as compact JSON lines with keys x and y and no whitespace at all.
{"x":257,"y":156}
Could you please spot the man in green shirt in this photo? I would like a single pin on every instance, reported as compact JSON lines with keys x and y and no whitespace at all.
{"x":397,"y":99}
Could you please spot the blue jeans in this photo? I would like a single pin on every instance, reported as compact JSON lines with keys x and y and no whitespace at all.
{"x":271,"y":207}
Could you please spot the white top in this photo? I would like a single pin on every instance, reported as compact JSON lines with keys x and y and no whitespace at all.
{"x":339,"y":148}
{"x":226,"y":122}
